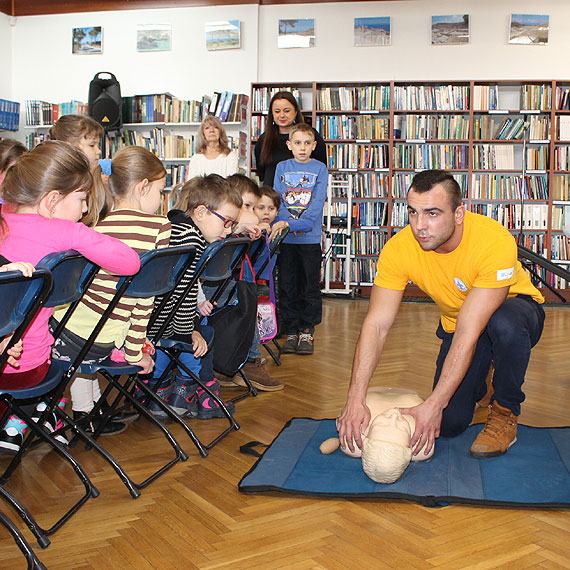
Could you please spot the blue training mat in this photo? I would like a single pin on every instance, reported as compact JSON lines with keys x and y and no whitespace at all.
{"x":534,"y":473}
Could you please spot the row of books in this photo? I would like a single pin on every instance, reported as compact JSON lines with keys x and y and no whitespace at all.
{"x":399,"y":214}
{"x":561,"y":188}
{"x":360,"y":127}
{"x":362,"y":271}
{"x":563,"y":98}
{"x":485,"y":97}
{"x":165,"y":108}
{"x":559,"y":247}
{"x":175,"y":174}
{"x":533,"y":217}
{"x":366,"y":98}
{"x":431,"y":127}
{"x":535,"y":242}
{"x":262,"y":96}
{"x":560,"y":216}
{"x":445,"y":156}
{"x":157,"y":140}
{"x":9,"y":115}
{"x":564,"y":128}
{"x":40,"y":113}
{"x":364,"y":185}
{"x":537,"y":158}
{"x":356,"y":156}
{"x":505,"y":187}
{"x":431,"y":97}
{"x":494,"y":157}
{"x":489,"y":127}
{"x":370,"y":214}
{"x":368,"y":242}
{"x":536,"y":97}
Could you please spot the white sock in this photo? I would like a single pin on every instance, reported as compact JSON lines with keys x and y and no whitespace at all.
{"x":82,"y":394}
{"x":96,"y":390}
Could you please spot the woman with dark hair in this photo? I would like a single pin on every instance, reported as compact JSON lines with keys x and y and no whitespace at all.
{"x":271,"y":147}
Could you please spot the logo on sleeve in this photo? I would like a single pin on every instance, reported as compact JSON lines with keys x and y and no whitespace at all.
{"x":503,"y":274}
{"x":459,"y":284}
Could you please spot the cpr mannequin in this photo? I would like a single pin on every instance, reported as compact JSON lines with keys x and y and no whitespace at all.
{"x":386,"y":443}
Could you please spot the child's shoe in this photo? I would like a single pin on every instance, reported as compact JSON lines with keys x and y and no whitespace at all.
{"x":180,"y":399}
{"x":205,"y":407}
{"x":163,"y":393}
{"x":52,"y":423}
{"x":12,"y":435}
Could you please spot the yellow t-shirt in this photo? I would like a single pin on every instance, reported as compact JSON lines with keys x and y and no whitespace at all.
{"x":486,"y":258}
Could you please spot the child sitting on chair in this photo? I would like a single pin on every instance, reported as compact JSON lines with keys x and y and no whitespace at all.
{"x":206,"y":211}
{"x":386,"y":444}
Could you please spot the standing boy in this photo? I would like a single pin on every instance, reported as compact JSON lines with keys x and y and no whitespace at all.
{"x":302,"y":184}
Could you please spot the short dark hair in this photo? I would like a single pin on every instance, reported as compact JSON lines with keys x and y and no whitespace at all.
{"x":243,"y":184}
{"x":426,"y":180}
{"x":212,"y":191}
{"x":272,"y":194}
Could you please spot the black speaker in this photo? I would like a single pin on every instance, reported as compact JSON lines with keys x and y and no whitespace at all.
{"x":105,"y":105}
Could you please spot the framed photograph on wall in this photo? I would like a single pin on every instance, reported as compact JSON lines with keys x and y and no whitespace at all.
{"x":296,"y":33}
{"x":224,"y":34}
{"x":372,"y":31}
{"x":154,"y":37}
{"x":529,"y":29}
{"x":87,"y":40}
{"x":450,"y":30}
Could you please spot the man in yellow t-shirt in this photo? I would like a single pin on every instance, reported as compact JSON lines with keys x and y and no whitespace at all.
{"x":490,"y":311}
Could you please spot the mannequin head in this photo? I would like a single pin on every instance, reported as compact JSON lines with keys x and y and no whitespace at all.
{"x":386,"y":450}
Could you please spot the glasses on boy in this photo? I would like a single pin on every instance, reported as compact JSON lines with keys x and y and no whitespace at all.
{"x":228,"y":222}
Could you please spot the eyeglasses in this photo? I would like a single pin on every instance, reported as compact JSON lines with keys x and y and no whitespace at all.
{"x":228,"y":222}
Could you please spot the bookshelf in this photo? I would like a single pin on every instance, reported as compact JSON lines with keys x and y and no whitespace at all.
{"x":507,"y":143}
{"x":164,"y":125}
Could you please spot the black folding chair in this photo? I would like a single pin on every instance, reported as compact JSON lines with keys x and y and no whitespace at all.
{"x":22,"y":298}
{"x":33,"y":561}
{"x":218,"y":263}
{"x":160,"y":271}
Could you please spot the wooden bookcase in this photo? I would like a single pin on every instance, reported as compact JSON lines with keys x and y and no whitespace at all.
{"x":486,"y":133}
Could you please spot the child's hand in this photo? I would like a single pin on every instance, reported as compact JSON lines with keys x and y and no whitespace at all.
{"x":253,"y":231}
{"x":146,"y":363}
{"x":205,"y":308}
{"x":277,"y":228}
{"x":15,"y":352}
{"x":264,"y":227}
{"x":23,"y":266}
{"x":199,"y":345}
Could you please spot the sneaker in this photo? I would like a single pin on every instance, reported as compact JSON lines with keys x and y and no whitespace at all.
{"x":181,"y":399}
{"x":499,"y":433}
{"x":163,"y":393}
{"x":12,"y":435}
{"x":225,"y":380}
{"x":206,"y":407}
{"x":306,"y":343}
{"x":112,"y":428}
{"x":52,"y":423}
{"x":259,"y":377}
{"x":290,"y":345}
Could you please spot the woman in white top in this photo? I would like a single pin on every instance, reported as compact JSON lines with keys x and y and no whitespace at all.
{"x":213,"y":154}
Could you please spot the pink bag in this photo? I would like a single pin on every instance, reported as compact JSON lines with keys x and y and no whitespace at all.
{"x":266,"y":314}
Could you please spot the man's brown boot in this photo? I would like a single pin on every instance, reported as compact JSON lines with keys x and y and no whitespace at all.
{"x":224,"y":380}
{"x":259,"y":377}
{"x":499,"y":433}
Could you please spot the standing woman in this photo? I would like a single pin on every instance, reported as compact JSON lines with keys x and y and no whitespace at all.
{"x":213,"y":153}
{"x":271,"y":147}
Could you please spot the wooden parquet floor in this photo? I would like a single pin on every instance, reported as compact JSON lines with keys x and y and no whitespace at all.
{"x":194,"y":517}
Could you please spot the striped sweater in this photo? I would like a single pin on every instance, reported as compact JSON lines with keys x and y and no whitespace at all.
{"x":127,"y":324}
{"x":184,"y":232}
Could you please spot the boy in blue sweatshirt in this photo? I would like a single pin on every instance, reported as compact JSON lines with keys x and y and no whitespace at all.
{"x":302,"y":184}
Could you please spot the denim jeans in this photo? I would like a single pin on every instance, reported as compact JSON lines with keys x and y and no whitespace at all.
{"x":513,"y":329}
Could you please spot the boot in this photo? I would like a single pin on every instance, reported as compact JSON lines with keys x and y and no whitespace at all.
{"x":259,"y":377}
{"x":499,"y":433}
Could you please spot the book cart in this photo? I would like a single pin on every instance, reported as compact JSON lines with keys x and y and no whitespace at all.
{"x":507,"y":143}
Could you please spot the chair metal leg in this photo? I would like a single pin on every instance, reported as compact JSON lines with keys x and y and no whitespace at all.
{"x":40,"y":431}
{"x":251,"y":390}
{"x":274,"y":356}
{"x":33,"y":561}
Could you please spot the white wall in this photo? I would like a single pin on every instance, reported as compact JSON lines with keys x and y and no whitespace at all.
{"x":5,"y":57}
{"x":42,"y":66}
{"x":411,"y":55}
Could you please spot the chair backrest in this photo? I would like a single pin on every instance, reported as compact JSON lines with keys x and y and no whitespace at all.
{"x":217,"y":262}
{"x":21,"y":297}
{"x":159,"y":272}
{"x":273,"y":245}
{"x":71,"y":275}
